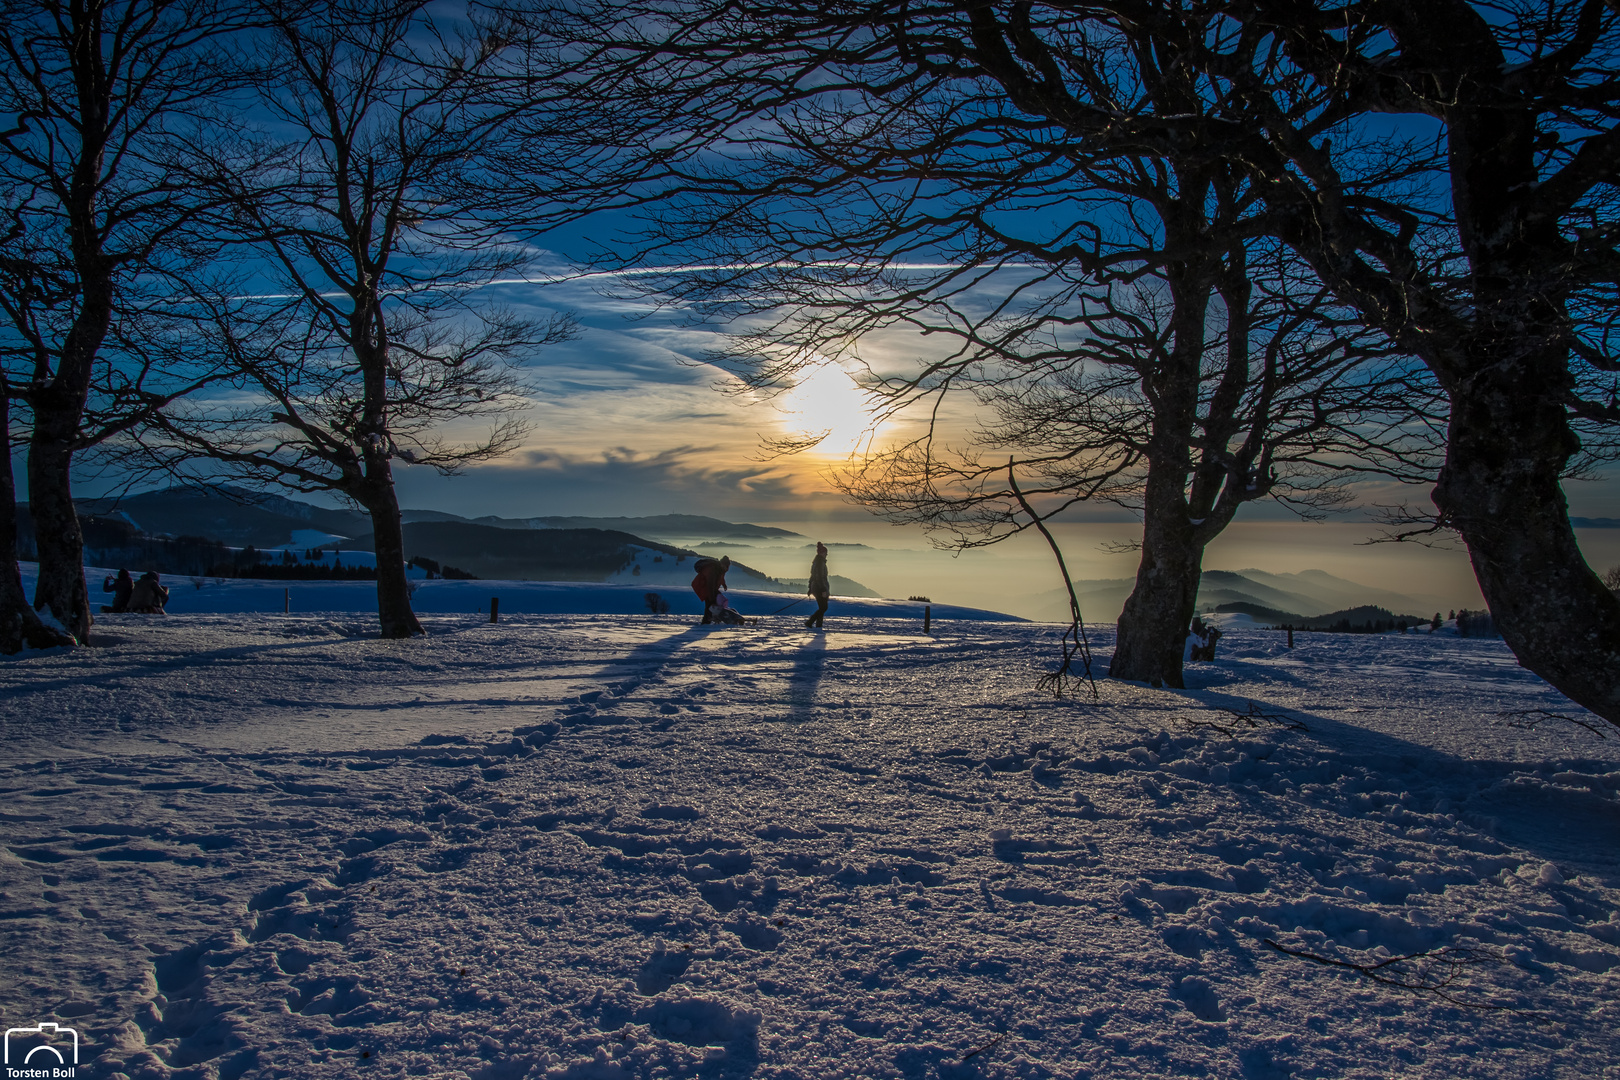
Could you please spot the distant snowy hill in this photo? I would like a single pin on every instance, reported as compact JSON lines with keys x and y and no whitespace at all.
{"x":236,"y":516}
{"x":660,"y":526}
{"x":672,"y":595}
{"x":229,"y":515}
{"x":563,"y":555}
{"x":1307,"y":593}
{"x":539,"y":549}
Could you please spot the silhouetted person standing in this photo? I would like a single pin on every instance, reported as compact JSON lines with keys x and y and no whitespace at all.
{"x":818,"y":586}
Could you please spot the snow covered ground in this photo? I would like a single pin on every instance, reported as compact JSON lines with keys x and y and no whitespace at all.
{"x":625,"y":846}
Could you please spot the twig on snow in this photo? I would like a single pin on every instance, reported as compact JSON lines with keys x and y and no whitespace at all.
{"x":987,"y":1046}
{"x":1242,"y":719}
{"x":1527,"y":719}
{"x":1436,"y":970}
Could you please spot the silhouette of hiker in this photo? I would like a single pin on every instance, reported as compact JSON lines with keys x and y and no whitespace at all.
{"x":818,"y":586}
{"x":708,"y":581}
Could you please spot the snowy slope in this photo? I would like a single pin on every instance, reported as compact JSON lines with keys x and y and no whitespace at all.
{"x":226,"y":595}
{"x":625,"y":846}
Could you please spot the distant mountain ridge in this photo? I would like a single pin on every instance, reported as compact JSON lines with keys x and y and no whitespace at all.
{"x":1363,"y":617}
{"x":1307,"y":594}
{"x":532,"y":554}
{"x":658,"y":525}
{"x":227,"y":514}
{"x":534,"y":549}
{"x":603,"y":555}
{"x":237,"y":516}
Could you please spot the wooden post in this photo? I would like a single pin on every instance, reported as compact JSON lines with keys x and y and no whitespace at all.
{"x":494,"y":609}
{"x":1290,"y":637}
{"x":928,"y":616}
{"x":286,"y":601}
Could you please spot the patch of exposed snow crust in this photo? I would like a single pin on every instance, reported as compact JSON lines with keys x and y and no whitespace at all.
{"x":630,"y":847}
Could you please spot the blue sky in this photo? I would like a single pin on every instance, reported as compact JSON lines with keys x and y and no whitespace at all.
{"x":629,"y":420}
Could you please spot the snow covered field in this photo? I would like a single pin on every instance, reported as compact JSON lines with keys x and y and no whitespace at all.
{"x":625,"y":846}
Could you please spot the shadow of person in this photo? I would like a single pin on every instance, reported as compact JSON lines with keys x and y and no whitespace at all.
{"x":809,"y":664}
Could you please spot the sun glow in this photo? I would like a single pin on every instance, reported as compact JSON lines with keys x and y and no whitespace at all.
{"x":828,"y":400}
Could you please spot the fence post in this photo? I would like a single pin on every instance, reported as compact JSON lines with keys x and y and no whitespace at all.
{"x":1290,"y":637}
{"x":286,"y":601}
{"x":494,"y":609}
{"x":928,"y":616}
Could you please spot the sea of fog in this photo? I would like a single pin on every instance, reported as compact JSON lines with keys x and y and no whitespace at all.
{"x":1020,"y":576}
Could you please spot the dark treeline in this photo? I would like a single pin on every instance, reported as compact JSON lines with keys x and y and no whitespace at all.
{"x":1476,"y":624}
{"x":1365,"y":619}
{"x":302,"y":572}
{"x":1376,"y":620}
{"x":435,"y":569}
{"x":115,"y":543}
{"x":1182,"y":257}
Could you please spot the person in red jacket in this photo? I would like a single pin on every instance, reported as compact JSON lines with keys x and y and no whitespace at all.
{"x":709,"y":580}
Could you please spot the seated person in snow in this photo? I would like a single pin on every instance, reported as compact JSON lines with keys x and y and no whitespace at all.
{"x":120,"y":587}
{"x":722,"y":612}
{"x":148,"y":597}
{"x":1201,"y":639}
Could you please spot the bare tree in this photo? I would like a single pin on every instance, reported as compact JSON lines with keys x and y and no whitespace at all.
{"x":1518,"y":326}
{"x":374,"y":225}
{"x":1102,"y":301}
{"x":97,"y":95}
{"x":1494,"y":260}
{"x":1276,"y":401}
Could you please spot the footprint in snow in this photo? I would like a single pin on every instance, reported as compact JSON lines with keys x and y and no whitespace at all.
{"x":661,"y":971}
{"x":1199,"y":996}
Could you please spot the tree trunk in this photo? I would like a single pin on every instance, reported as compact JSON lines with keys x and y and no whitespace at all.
{"x":388,"y":543}
{"x":1152,"y":632}
{"x":61,"y":589}
{"x":1151,"y":635}
{"x":1508,"y":443}
{"x":1509,"y":439}
{"x":58,"y":406}
{"x":20,"y":625}
{"x":1501,"y":349}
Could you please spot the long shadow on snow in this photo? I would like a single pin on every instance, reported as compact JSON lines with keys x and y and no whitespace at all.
{"x":134,"y":666}
{"x":1568,"y":825}
{"x":808,"y":666}
{"x":643,"y":663}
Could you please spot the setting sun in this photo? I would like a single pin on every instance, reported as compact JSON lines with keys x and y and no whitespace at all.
{"x":828,"y":400}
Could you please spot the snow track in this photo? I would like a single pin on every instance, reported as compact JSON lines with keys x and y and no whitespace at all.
{"x":626,"y":847}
